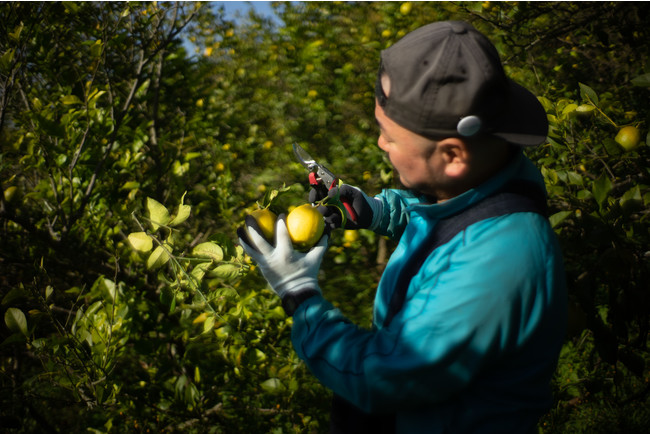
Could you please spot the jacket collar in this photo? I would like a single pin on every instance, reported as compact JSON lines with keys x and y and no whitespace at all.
{"x":520,"y":167}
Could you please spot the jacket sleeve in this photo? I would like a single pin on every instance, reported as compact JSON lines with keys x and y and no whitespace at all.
{"x":394,"y":212}
{"x":477,"y":300}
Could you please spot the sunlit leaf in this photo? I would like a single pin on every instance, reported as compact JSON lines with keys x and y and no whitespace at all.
{"x":96,"y":48}
{"x":70,"y":99}
{"x":130,"y":185}
{"x":570,"y":108}
{"x":157,"y":213}
{"x":272,"y":385}
{"x":226,"y":271}
{"x":182,"y":213}
{"x":585,"y":108}
{"x":208,"y":325}
{"x":140,"y":241}
{"x":208,"y":250}
{"x":158,"y":258}
{"x":200,"y":318}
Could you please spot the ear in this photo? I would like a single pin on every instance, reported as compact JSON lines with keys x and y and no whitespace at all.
{"x":455,"y":156}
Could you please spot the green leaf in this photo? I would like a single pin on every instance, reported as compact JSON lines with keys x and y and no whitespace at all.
{"x":182,"y":213}
{"x":546,"y":103}
{"x":612,"y":147}
{"x":179,"y":169}
{"x":574,"y":177}
{"x":48,"y":291}
{"x":6,"y":59}
{"x":96,"y":48}
{"x":158,"y":258}
{"x":15,"y":35}
{"x":272,"y":385}
{"x":130,"y":185}
{"x":641,"y":80}
{"x":199,"y":270}
{"x":13,"y":295}
{"x":208,"y":250}
{"x":167,"y":297}
{"x":70,"y":7}
{"x":158,"y":214}
{"x":16,"y":320}
{"x":559,"y":217}
{"x":632,"y":199}
{"x":140,"y":241}
{"x":588,"y":94}
{"x":142,"y":90}
{"x":570,"y":108}
{"x":208,"y":325}
{"x":227,"y":271}
{"x":70,"y":100}
{"x":271,"y":195}
{"x":585,"y":108}
{"x":601,"y":188}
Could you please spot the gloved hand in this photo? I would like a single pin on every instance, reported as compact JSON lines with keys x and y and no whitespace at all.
{"x":368,"y":209}
{"x":292,"y":275}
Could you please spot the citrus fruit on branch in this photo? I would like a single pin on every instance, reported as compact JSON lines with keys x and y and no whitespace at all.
{"x":265,"y":219}
{"x":628,"y":137}
{"x":305,"y":225}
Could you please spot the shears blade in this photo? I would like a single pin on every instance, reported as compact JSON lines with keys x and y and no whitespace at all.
{"x":323,"y":180}
{"x":318,"y":173}
{"x":304,"y":158}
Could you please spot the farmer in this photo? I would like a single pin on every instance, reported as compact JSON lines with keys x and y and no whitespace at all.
{"x":470,"y":312}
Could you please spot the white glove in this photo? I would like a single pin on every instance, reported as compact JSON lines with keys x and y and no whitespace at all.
{"x":292,"y":275}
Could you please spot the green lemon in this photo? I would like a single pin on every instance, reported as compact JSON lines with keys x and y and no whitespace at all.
{"x":628,"y":137}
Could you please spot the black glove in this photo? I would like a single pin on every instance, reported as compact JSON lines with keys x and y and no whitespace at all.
{"x":365,"y":207}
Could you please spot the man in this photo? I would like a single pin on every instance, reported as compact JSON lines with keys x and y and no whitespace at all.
{"x":470,"y":312}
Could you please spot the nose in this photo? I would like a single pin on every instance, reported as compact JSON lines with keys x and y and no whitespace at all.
{"x":381,"y":142}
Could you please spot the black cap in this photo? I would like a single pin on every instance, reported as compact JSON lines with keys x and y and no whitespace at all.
{"x":446,"y":80}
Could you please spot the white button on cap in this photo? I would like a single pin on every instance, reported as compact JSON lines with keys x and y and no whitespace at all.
{"x":469,"y":126}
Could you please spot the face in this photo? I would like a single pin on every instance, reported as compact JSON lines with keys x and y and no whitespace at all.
{"x":414,"y":157}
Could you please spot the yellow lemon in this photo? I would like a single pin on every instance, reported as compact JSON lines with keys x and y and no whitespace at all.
{"x":10,"y":193}
{"x":266,"y":221}
{"x":628,"y":137}
{"x":350,"y":236}
{"x":305,"y":225}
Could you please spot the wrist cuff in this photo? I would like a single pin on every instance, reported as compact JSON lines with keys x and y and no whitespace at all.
{"x":291,"y":301}
{"x":377,"y":207}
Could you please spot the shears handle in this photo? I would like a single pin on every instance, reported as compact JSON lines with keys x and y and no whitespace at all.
{"x":350,"y":210}
{"x":336,"y":200}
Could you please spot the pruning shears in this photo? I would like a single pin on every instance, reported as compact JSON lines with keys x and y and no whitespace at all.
{"x":323,"y":180}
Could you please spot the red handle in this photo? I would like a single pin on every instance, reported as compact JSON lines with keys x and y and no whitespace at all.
{"x":350,"y":210}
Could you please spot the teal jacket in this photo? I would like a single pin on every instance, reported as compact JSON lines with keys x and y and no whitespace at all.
{"x":475,"y":345}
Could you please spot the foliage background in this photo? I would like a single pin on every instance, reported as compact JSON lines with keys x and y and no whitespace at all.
{"x":104,"y":105}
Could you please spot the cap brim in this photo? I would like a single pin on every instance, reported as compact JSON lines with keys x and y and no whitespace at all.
{"x":525,"y":121}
